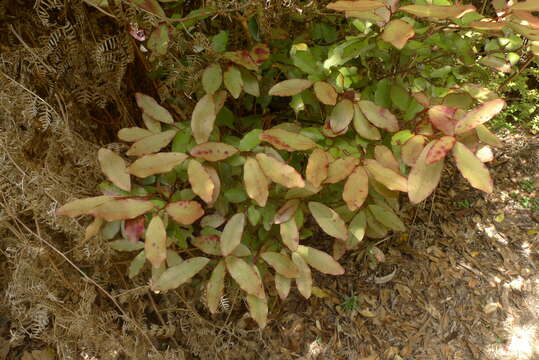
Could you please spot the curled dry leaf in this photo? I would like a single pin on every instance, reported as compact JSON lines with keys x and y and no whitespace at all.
{"x":121,"y":209}
{"x":397,"y":32}
{"x":256,"y":183}
{"x":391,"y":179}
{"x":200,"y":180}
{"x":232,"y":233}
{"x":150,"y":107}
{"x":185,"y":212}
{"x":287,"y":140}
{"x":472,"y":168}
{"x":290,"y":87}
{"x":386,"y":278}
{"x":320,"y":260}
{"x":156,"y":164}
{"x":317,"y":167}
{"x":279,"y":172}
{"x":340,"y":169}
{"x":245,"y":276}
{"x":151,"y":144}
{"x":325,"y":93}
{"x":440,"y":148}
{"x":281,"y":263}
{"x":356,"y":188}
{"x":203,"y":118}
{"x":213,"y":151}
{"x":328,"y":220}
{"x":82,"y":206}
{"x":424,"y":178}
{"x":113,"y":166}
{"x":155,"y":247}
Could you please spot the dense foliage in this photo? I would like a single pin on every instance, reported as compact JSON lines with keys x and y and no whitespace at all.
{"x":334,"y":127}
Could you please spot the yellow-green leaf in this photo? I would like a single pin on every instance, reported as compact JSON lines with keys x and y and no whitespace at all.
{"x":328,"y":220}
{"x":133,"y":134}
{"x":304,"y":281}
{"x":126,"y":245}
{"x":156,"y":242}
{"x":287,"y":140}
{"x":256,"y":183}
{"x":438,"y":11}
{"x":356,"y":230}
{"x":387,"y":217}
{"x":391,"y":179}
{"x":136,"y":265}
{"x":151,"y":144}
{"x":290,"y":87}
{"x":363,"y":127}
{"x":121,"y":209}
{"x":93,"y":229}
{"x":233,"y":81}
{"x":397,"y":32}
{"x":282,"y":285}
{"x":185,"y":212}
{"x":210,"y":244}
{"x":200,"y":180}
{"x":317,"y":167}
{"x":378,"y":116}
{"x":113,"y":166}
{"x":156,"y":164}
{"x":281,"y":263}
{"x":232,"y":233}
{"x":213,"y":151}
{"x":150,"y":107}
{"x":212,"y":77}
{"x":356,"y":189}
{"x":486,"y":136}
{"x":250,"y":83}
{"x":346,"y":5}
{"x":340,"y":169}
{"x":245,"y":276}
{"x":82,"y":206}
{"x":424,"y":178}
{"x":258,"y":308}
{"x":320,"y":260}
{"x":216,"y":286}
{"x":290,"y":234}
{"x":203,"y":118}
{"x":180,"y":274}
{"x":158,"y":41}
{"x":472,"y":168}
{"x":341,"y":115}
{"x":279,"y":172}
{"x":325,"y":93}
{"x":479,"y":115}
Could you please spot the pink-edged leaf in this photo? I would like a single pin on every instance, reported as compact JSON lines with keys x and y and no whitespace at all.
{"x":256,"y":182}
{"x":391,"y":179}
{"x":280,"y":172}
{"x":378,"y":116}
{"x":438,"y":11}
{"x":325,"y":93}
{"x":134,"y":228}
{"x":424,"y":178}
{"x":497,"y":63}
{"x":213,"y":151}
{"x":340,"y":169}
{"x":317,"y":167}
{"x":290,"y":87}
{"x":185,"y":212}
{"x":479,"y":115}
{"x":527,"y":18}
{"x":472,"y":168}
{"x":440,"y":149}
{"x":443,"y":118}
{"x":397,"y":32}
{"x":286,"y":140}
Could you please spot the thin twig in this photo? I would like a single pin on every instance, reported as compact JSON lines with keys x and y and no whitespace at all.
{"x":510,"y":78}
{"x":160,"y":317}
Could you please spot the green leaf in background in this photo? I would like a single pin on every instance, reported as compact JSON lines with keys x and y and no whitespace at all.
{"x":236,"y":195}
{"x":324,"y":32}
{"x":219,"y":42}
{"x":382,"y":93}
{"x":400,"y":97}
{"x":250,"y":140}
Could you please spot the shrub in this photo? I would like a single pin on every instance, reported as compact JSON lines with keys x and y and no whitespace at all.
{"x":343,"y":131}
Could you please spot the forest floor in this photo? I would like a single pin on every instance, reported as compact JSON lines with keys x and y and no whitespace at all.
{"x":461,"y":283}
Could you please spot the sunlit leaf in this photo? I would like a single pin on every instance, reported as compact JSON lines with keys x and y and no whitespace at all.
{"x":378,"y":116}
{"x":346,"y":5}
{"x":290,"y":87}
{"x":212,"y":78}
{"x":424,"y":178}
{"x":341,"y":115}
{"x":325,"y":93}
{"x":387,"y":217}
{"x":320,"y":260}
{"x":209,"y":244}
{"x":472,"y":168}
{"x":479,"y":115}
{"x":438,"y":11}
{"x":363,"y":127}
{"x":216,"y":286}
{"x":179,"y":274}
{"x":391,"y":179}
{"x":153,"y":109}
{"x":286,"y":212}
{"x":121,"y":209}
{"x":200,"y":181}
{"x":214,"y":176}
{"x":133,"y":134}
{"x":340,"y":169}
{"x":256,"y":183}
{"x":279,"y":172}
{"x":233,"y":81}
{"x":486,"y":136}
{"x":160,"y":163}
{"x":443,"y":118}
{"x":156,"y":242}
{"x":317,"y":167}
{"x":282,"y":285}
{"x":397,"y":32}
{"x":151,"y":144}
{"x":82,"y":206}
{"x":258,"y":308}
{"x":213,"y":151}
{"x":113,"y":166}
{"x":281,"y":263}
{"x":286,"y":140}
{"x":203,"y":118}
{"x":385,"y":156}
{"x":356,"y":189}
{"x":328,"y":220}
{"x":232,"y":233}
{"x":185,"y":212}
{"x":440,"y":148}
{"x":151,"y":124}
{"x":411,"y":150}
{"x":356,"y":230}
{"x":245,"y":275}
{"x":290,"y":234}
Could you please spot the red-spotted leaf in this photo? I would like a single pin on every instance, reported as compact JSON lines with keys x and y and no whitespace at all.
{"x":320,"y":260}
{"x":241,"y":57}
{"x":440,"y":148}
{"x":179,"y":274}
{"x":185,"y":212}
{"x":151,"y":108}
{"x":155,"y":248}
{"x":346,"y":5}
{"x":328,"y":220}
{"x":472,"y":168}
{"x":479,"y":115}
{"x":286,"y":212}
{"x":438,"y":11}
{"x":233,"y":81}
{"x":340,"y":169}
{"x":384,"y":156}
{"x":232,"y":233}
{"x":134,"y":228}
{"x":282,"y":285}
{"x":317,"y":167}
{"x":213,"y":151}
{"x":411,"y":149}
{"x":245,"y":275}
{"x":212,"y":78}
{"x":256,"y":182}
{"x":156,"y":164}
{"x":290,"y":87}
{"x":341,"y":116}
{"x":363,"y":127}
{"x":443,"y":118}
{"x":121,"y":209}
{"x":378,"y":116}
{"x":397,"y":32}
{"x":356,"y":189}
{"x":113,"y":166}
{"x":486,"y":136}
{"x":281,"y":263}
{"x":279,"y":172}
{"x":391,"y":179}
{"x":151,"y":144}
{"x":133,"y":134}
{"x":216,"y":286}
{"x":258,"y":309}
{"x":290,"y":234}
{"x":325,"y":93}
{"x":287,"y":140}
{"x":260,"y":53}
{"x":82,"y":206}
{"x":203,"y":118}
{"x":304,"y":281}
{"x":424,"y":178}
{"x":200,"y":181}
